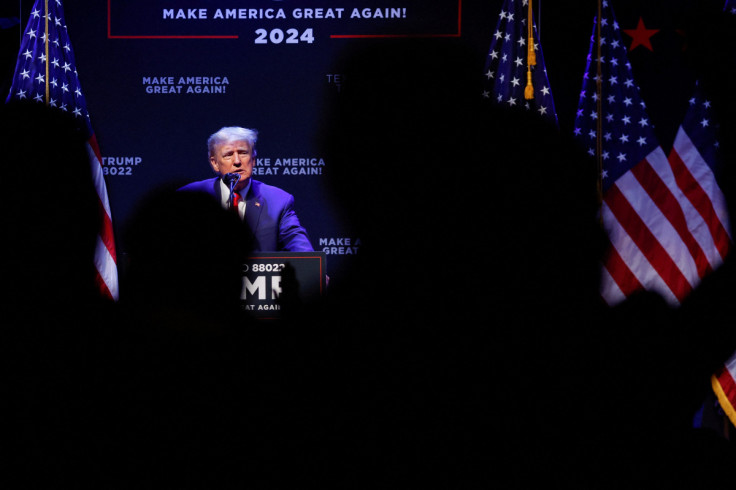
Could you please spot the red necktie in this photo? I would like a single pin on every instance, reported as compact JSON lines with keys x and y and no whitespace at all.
{"x":236,"y":200}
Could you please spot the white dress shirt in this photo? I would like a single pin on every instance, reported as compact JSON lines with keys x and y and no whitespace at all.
{"x":225,"y":198}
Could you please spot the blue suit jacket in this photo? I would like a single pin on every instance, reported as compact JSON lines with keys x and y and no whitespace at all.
{"x":269,"y":213}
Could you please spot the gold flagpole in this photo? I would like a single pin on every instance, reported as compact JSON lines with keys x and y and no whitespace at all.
{"x":46,"y":46}
{"x":599,"y":105}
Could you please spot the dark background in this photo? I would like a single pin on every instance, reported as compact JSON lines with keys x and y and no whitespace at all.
{"x":495,"y":364}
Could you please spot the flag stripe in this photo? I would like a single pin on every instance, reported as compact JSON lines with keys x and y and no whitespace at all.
{"x":106,"y":232}
{"x":619,"y":282}
{"x":102,"y":286}
{"x":96,"y":160}
{"x":105,"y":253}
{"x":632,"y":261}
{"x":647,"y":242}
{"x":660,"y":193}
{"x":695,"y":192}
{"x":696,"y":225}
{"x":656,"y":222}
{"x":106,"y":269}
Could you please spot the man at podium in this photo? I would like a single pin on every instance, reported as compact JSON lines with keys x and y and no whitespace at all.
{"x":267,"y":210}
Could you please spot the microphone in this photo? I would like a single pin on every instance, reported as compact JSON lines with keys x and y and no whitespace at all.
{"x":231,"y":179}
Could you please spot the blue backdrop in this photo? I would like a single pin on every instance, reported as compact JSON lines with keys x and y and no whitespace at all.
{"x":161,"y":75}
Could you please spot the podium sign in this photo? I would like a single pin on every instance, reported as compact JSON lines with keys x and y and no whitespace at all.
{"x":262,"y":280}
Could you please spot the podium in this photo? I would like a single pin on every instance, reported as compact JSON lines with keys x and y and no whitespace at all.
{"x":262,"y":280}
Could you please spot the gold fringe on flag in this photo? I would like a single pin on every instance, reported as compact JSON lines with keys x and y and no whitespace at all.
{"x":725,"y":404}
{"x":531,"y":56}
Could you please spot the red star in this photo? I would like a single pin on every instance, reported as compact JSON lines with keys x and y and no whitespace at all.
{"x":641,"y":35}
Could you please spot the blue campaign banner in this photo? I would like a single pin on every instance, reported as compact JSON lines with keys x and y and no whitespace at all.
{"x":160,"y":76}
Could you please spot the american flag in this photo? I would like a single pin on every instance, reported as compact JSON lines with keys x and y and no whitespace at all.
{"x":723,"y":382}
{"x":46,"y":72}
{"x":665,"y":217}
{"x":508,"y":63}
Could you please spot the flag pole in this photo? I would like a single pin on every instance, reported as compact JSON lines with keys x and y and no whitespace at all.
{"x":599,"y":105}
{"x":539,"y":19}
{"x":531,"y":57}
{"x":46,"y":47}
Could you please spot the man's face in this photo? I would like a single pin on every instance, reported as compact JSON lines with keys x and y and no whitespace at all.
{"x":235,"y":157}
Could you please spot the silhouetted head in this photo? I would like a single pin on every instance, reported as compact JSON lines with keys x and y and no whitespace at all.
{"x":184,"y":251}
{"x":49,"y":210}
